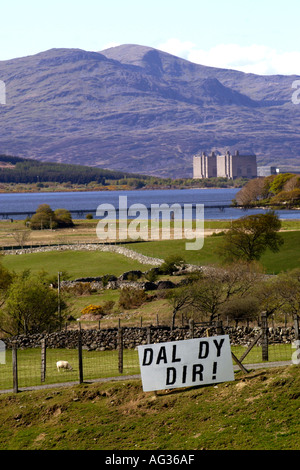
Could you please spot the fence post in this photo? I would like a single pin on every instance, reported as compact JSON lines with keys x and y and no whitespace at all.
{"x":80,"y":357}
{"x":296,"y":326}
{"x":219,"y":327}
{"x":120,"y":349}
{"x":264,"y":337}
{"x":15,"y":367}
{"x":43,"y":360}
{"x":148,"y":335}
{"x":191,"y":325}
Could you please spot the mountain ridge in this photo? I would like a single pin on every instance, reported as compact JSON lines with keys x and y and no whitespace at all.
{"x":137,"y":109}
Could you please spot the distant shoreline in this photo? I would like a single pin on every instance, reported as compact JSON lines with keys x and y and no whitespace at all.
{"x":86,"y":190}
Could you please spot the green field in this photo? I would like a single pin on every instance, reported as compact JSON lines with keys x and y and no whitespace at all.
{"x":84,"y":263}
{"x":100,"y":364}
{"x":287,"y":258}
{"x":257,"y":411}
{"x":95,"y":365}
{"x":76,"y":263}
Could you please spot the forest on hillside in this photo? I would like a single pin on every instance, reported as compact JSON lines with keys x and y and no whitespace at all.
{"x":23,"y":170}
{"x":17,"y":170}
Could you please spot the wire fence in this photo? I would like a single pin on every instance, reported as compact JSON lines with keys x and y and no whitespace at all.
{"x":22,"y":368}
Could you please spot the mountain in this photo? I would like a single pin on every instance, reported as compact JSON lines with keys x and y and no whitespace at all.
{"x":137,"y":109}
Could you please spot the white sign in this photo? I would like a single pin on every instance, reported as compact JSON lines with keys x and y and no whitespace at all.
{"x":186,"y":363}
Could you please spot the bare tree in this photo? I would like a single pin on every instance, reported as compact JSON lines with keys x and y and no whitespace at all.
{"x":252,"y":192}
{"x":289,"y":290}
{"x":221,"y":285}
{"x":180,"y":299}
{"x":270,"y":296}
{"x":210,"y":292}
{"x":21,"y":236}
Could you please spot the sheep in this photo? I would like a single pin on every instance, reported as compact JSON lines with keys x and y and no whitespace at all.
{"x":63,"y":365}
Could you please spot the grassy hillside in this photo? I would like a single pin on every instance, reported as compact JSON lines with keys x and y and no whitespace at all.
{"x":259,"y":411}
{"x":76,"y":263}
{"x":79,"y":264}
{"x":287,"y":258}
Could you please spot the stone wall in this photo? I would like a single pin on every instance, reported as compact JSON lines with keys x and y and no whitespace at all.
{"x":107,"y":339}
{"x":121,"y":250}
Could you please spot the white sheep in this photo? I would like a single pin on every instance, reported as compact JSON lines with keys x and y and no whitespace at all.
{"x":63,"y":365}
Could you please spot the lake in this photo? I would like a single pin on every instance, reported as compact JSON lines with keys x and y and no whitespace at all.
{"x":216,"y":202}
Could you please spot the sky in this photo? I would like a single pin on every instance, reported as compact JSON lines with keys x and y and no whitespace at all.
{"x":257,"y":36}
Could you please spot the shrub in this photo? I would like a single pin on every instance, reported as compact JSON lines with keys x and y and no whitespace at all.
{"x":172,"y":264}
{"x":151,"y":275}
{"x":132,"y":298}
{"x":93,"y":310}
{"x":78,"y":289}
{"x":108,"y":306}
{"x":63,"y":218}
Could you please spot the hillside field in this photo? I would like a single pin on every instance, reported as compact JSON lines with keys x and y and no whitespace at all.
{"x":82,"y":264}
{"x":259,"y":411}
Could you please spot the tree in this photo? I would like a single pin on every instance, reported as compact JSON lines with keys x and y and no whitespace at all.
{"x":208,"y":293}
{"x":292,"y":183}
{"x":46,"y":218}
{"x":269,"y":296}
{"x":180,"y":299}
{"x":6,"y":278}
{"x":240,"y":308}
{"x":43,"y":218}
{"x":21,"y":236}
{"x":279,"y":182}
{"x":289,"y":290}
{"x":250,"y":236}
{"x":289,"y":198}
{"x":31,"y":306}
{"x":219,"y":286}
{"x":252,"y":192}
{"x":63,"y":218}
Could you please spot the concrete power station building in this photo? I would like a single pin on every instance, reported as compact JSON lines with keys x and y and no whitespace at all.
{"x":227,"y":166}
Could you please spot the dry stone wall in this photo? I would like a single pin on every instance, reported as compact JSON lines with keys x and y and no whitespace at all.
{"x":121,"y":250}
{"x":107,"y":339}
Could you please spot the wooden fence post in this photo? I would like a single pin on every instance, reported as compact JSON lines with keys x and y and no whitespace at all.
{"x":296,"y":355}
{"x":120,"y":349}
{"x":148,"y":335}
{"x":296,"y":326}
{"x":15,"y":367}
{"x":219,"y":327}
{"x":80,"y":357}
{"x":191,"y":325}
{"x":43,"y":360}
{"x":264,"y":337}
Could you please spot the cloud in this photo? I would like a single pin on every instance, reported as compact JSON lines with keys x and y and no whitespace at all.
{"x":258,"y":59}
